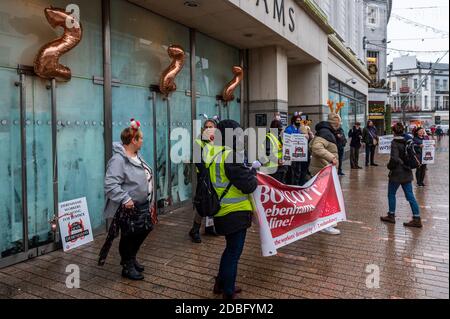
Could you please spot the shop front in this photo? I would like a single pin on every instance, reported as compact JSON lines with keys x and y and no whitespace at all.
{"x":127,"y":44}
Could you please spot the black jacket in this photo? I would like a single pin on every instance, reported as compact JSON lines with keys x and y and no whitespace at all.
{"x":398,"y":172}
{"x":244,"y":179}
{"x":326,"y":131}
{"x":356,"y":136}
{"x":340,"y":138}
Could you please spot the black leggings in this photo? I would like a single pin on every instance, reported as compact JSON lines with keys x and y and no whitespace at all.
{"x":130,"y":243}
{"x":420,"y":174}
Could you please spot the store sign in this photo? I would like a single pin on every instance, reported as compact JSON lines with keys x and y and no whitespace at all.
{"x":74,"y":223}
{"x":376,"y":107}
{"x":278,"y":10}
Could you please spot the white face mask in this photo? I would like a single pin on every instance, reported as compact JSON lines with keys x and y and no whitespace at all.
{"x":278,"y":118}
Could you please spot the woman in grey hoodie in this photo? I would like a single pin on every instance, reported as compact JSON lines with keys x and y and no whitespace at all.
{"x":129,"y":185}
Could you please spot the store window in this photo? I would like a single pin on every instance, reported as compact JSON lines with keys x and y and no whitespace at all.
{"x":139,"y":44}
{"x":80,"y":148}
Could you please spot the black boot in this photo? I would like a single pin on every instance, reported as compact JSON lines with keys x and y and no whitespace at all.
{"x":390,"y":218}
{"x":129,"y":271}
{"x":138,"y":266}
{"x":195,"y":233}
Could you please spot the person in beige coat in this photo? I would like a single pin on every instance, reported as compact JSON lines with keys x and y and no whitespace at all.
{"x":324,"y":150}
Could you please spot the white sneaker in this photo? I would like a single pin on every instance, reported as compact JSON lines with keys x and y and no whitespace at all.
{"x":331,"y":231}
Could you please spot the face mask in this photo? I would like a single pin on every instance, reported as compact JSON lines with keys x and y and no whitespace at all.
{"x":298,"y":124}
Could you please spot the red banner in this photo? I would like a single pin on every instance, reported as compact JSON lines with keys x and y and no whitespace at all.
{"x":289,"y":213}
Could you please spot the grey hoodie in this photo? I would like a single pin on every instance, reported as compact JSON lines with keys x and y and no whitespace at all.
{"x":124,"y":180}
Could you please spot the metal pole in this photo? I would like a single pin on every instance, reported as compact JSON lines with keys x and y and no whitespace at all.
{"x":192,"y":37}
{"x":23,"y":152}
{"x":155,"y":150}
{"x":54,"y":149}
{"x":169,"y":162}
{"x":107,"y":83}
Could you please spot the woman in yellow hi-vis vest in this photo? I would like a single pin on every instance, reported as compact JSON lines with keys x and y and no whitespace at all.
{"x":205,"y":142}
{"x":229,"y":172}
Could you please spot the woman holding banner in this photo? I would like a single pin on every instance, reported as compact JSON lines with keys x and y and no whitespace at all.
{"x":419,"y":137}
{"x":324,"y":151}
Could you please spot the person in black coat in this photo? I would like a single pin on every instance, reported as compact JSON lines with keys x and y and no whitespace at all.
{"x":400,"y":175}
{"x":341,"y":142}
{"x":355,"y":134}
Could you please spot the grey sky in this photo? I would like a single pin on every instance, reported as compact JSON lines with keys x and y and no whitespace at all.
{"x":437,"y":18}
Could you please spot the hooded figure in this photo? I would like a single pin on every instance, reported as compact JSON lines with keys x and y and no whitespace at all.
{"x":231,"y":177}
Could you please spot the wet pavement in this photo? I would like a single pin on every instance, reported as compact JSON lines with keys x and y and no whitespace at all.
{"x":412,"y":263}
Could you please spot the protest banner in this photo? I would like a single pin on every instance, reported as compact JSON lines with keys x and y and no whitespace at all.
{"x":74,"y":223}
{"x":299,"y":148}
{"x":428,"y":151}
{"x":384,"y":146}
{"x":287,"y":149}
{"x":288,"y":213}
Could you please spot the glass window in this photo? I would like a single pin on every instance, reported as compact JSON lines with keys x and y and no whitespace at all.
{"x":140,"y":40}
{"x":437,"y":84}
{"x":445,"y":85}
{"x":333,"y":84}
{"x":372,"y":15}
{"x":214,"y":64}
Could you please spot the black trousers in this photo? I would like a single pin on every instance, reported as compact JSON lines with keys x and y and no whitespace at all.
{"x":341,"y":158}
{"x":370,"y":153}
{"x":420,"y":174}
{"x":294,"y":174}
{"x":354,"y":157}
{"x":281,"y":174}
{"x":130,"y":243}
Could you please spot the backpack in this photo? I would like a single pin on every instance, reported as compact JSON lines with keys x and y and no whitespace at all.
{"x":206,"y":201}
{"x":411,"y":157}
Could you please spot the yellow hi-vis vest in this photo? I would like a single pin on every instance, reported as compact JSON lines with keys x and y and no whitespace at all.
{"x":234,"y":200}
{"x":276,"y":145}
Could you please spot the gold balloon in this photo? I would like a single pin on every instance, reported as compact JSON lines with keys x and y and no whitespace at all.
{"x":46,"y":63}
{"x":167,"y":81}
{"x":227,"y":94}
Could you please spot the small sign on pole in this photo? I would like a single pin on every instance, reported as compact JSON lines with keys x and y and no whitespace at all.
{"x":384,"y":145}
{"x":74,"y":223}
{"x":428,"y":151}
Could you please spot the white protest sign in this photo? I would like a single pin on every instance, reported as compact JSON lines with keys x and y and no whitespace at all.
{"x":287,"y":149}
{"x":299,"y":148}
{"x":74,"y":223}
{"x":428,"y":151}
{"x":384,"y":146}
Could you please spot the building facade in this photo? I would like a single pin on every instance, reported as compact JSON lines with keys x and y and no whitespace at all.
{"x":293,"y":60}
{"x":377,"y":14}
{"x":419,"y":92}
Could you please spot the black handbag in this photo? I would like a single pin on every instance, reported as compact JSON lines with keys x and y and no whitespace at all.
{"x":136,"y":220}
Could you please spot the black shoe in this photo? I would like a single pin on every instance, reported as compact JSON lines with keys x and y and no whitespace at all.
{"x":195,"y":235}
{"x":341,"y":174}
{"x":359,"y":167}
{"x":129,"y":271}
{"x":373,"y":164}
{"x":415,"y":222}
{"x":390,"y":218}
{"x":138,"y":266}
